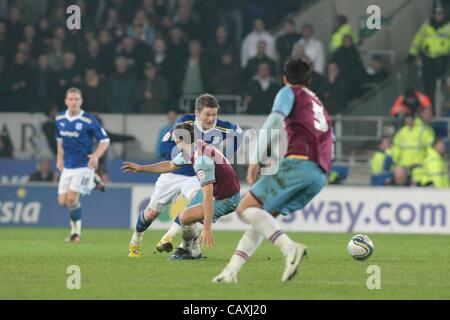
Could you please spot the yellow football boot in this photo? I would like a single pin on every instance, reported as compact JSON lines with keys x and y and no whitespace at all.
{"x":164,"y":245}
{"x":134,"y":250}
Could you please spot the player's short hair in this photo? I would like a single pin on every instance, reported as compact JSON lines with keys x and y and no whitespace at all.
{"x":184,"y":131}
{"x":73,"y":89}
{"x":206,"y":100}
{"x":297,"y":71}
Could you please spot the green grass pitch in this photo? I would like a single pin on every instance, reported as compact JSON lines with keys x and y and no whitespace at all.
{"x":33,"y":265}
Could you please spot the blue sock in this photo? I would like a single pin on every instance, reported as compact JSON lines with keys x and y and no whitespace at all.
{"x":75,"y":212}
{"x":141,"y":224}
{"x":177,"y":220}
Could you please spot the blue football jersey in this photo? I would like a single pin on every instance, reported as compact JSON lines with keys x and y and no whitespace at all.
{"x":77,"y":134}
{"x":223,"y":130}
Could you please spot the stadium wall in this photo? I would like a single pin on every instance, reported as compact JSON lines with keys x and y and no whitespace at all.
{"x":335,"y":209}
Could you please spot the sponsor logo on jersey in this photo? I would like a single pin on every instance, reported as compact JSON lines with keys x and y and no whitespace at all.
{"x":70,"y":134}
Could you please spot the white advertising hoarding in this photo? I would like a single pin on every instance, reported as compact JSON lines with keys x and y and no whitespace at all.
{"x":346,"y":209}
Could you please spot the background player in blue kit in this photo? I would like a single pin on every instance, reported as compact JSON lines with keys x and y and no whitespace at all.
{"x":75,"y":132}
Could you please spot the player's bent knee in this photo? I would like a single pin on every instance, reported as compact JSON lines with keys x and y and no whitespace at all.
{"x":151,"y":214}
{"x":249,"y":201}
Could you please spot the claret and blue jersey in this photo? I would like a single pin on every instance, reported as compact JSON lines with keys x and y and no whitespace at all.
{"x":223,"y":130}
{"x":77,"y":134}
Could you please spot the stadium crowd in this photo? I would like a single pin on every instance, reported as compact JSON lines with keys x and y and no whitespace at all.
{"x":141,"y":56}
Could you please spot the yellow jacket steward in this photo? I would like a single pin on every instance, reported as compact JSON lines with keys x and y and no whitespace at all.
{"x":410,"y":147}
{"x":338,"y":36}
{"x":381,"y":161}
{"x":431,"y":42}
{"x":435,"y":170}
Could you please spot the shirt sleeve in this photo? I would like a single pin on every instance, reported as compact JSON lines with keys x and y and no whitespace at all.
{"x":284,"y":101}
{"x":99,"y":133}
{"x":179,"y":160}
{"x":205,"y":169}
{"x":57,"y":134}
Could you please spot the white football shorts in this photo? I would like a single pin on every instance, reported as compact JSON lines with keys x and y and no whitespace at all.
{"x":79,"y":180}
{"x":169,"y":186}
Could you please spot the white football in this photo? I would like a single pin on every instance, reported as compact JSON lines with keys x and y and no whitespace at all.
{"x":360,"y":247}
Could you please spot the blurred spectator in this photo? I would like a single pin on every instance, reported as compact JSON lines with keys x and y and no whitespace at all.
{"x":29,"y":37}
{"x":342,"y":29}
{"x":44,"y":172}
{"x":334,"y":96}
{"x":5,"y":46}
{"x":69,"y":76}
{"x":230,"y":12}
{"x":15,"y":26}
{"x":350,"y":64}
{"x":261,"y":91}
{"x":107,"y":51}
{"x":194,"y":71}
{"x":56,"y":55}
{"x":152,"y":94}
{"x":6,"y":147}
{"x":285,"y":42}
{"x":221,"y":44}
{"x":435,"y":168}
{"x":409,"y":103}
{"x":432,"y":43}
{"x":410,"y":148}
{"x":120,"y":88}
{"x":311,"y":47}
{"x":93,"y":90}
{"x":136,"y":52}
{"x":253,"y":63}
{"x":227,"y":77}
{"x":93,"y":59}
{"x":249,"y":46}
{"x":17,"y":83}
{"x":171,"y":117}
{"x":43,"y":88}
{"x":161,"y":60}
{"x":114,"y":24}
{"x":178,"y":44}
{"x":48,"y":128}
{"x":142,"y":25}
{"x":185,"y":20}
{"x":376,"y":72}
{"x":381,"y":163}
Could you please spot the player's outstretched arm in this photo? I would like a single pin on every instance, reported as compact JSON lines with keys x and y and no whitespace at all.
{"x":59,"y":155}
{"x":160,"y":167}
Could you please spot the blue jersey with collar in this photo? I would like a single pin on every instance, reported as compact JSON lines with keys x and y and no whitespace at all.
{"x":77,"y":135}
{"x":223,"y":130}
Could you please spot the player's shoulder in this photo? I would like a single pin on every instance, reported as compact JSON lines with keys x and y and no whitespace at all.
{"x":88,"y":118}
{"x":225,"y":126}
{"x":190,"y":118}
{"x":60,"y":116}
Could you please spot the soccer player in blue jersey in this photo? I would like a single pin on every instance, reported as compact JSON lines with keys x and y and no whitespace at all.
{"x":183,"y":181}
{"x":76,"y":160}
{"x":220,"y":187}
{"x":300,"y":177}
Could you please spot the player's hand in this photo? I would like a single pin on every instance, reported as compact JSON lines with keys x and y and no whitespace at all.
{"x":93,"y":161}
{"x":131,"y":167}
{"x":60,"y":165}
{"x":207,"y":239}
{"x":253,"y":173}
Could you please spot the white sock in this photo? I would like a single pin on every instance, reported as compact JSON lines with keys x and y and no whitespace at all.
{"x":75,"y":227}
{"x":190,"y":232}
{"x":265,"y":224}
{"x":174,"y":229}
{"x":136,"y":239}
{"x":250,"y":241}
{"x":195,"y":248}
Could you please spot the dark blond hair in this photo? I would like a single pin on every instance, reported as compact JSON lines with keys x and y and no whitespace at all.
{"x":206,"y":100}
{"x":74,"y":89}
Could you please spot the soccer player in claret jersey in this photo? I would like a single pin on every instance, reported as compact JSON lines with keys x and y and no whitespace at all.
{"x":300,"y":176}
{"x":219,"y":183}
{"x":75,"y":130}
